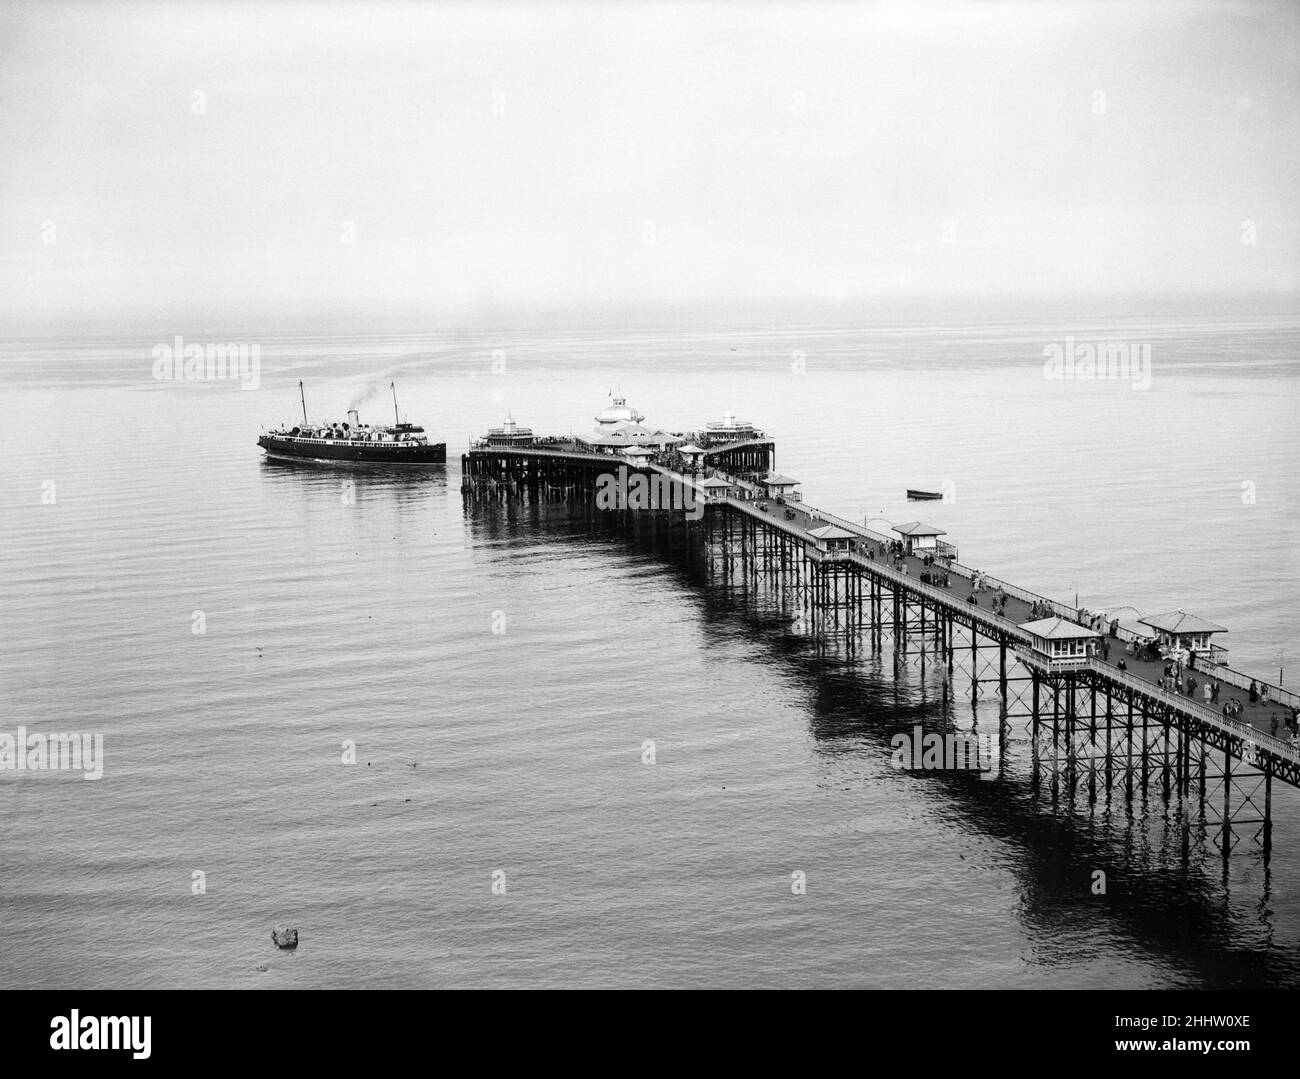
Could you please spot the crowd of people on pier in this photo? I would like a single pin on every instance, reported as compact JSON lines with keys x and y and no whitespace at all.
{"x":1289,"y":726}
{"x":930,"y":575}
{"x":1097,"y":620}
{"x":1173,"y":681}
{"x":1285,"y":724}
{"x":1147,"y":651}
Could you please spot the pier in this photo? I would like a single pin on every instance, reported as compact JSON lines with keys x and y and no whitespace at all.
{"x":1101,"y":715}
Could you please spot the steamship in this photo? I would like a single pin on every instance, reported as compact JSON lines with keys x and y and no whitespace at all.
{"x":351,"y":440}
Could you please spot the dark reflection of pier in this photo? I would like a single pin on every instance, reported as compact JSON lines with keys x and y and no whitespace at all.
{"x":1169,"y":891}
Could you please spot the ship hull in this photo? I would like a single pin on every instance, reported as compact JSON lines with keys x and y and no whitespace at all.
{"x":341,"y":452}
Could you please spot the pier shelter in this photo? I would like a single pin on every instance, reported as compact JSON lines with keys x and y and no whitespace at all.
{"x":920,"y":538}
{"x":638,"y":455}
{"x":716,"y":488}
{"x":1183,"y":632}
{"x":833,"y":538}
{"x":778,"y":486}
{"x":1062,"y":643}
{"x":694,"y":456}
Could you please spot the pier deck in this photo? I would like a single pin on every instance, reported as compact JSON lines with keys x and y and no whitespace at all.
{"x":1258,"y":716}
{"x":1248,"y":737}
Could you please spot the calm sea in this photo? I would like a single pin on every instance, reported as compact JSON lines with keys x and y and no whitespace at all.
{"x":359,"y":607}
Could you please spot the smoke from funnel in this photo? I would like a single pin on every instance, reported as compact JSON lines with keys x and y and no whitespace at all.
{"x":364,"y":397}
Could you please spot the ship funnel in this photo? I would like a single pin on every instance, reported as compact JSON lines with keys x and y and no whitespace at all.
{"x":352,"y":415}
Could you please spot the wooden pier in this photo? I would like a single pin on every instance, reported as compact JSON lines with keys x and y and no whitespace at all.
{"x":1090,"y":722}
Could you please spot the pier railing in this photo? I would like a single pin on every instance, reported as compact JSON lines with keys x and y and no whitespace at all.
{"x":1064,"y":610}
{"x":1199,"y":711}
{"x":1207,"y":715}
{"x":1032,"y":657}
{"x":536,"y":451}
{"x":713,"y":446}
{"x":853,"y":526}
{"x":977,"y":613}
{"x":1220,"y":673}
{"x":752,"y":509}
{"x":1023,"y":594}
{"x":1013,"y":632}
{"x":1242,"y":681}
{"x":1003,"y":625}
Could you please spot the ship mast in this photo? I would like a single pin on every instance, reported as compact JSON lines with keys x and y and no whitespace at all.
{"x":304,"y":403}
{"x":396,"y":419}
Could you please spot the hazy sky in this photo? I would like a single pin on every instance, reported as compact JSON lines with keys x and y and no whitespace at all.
{"x":210,"y":156}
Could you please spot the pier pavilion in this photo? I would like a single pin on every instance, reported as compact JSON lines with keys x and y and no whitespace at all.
{"x":1060,"y":642}
{"x":510,"y":434}
{"x":638,"y":455}
{"x":832,"y":538}
{"x":921,"y":539}
{"x":618,"y":413}
{"x":1185,"y":632}
{"x":619,"y":425}
{"x":730,"y":429}
{"x":778,"y":486}
{"x":717,"y":488}
{"x":693,"y":454}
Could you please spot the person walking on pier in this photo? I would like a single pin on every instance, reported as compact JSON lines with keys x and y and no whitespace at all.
{"x":1191,"y":688}
{"x":1207,"y":692}
{"x":1216,"y":692}
{"x":1254,"y":692}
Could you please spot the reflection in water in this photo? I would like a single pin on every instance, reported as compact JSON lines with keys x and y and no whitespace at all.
{"x":383,"y":508}
{"x":348,"y":480}
{"x":1214,"y":927}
